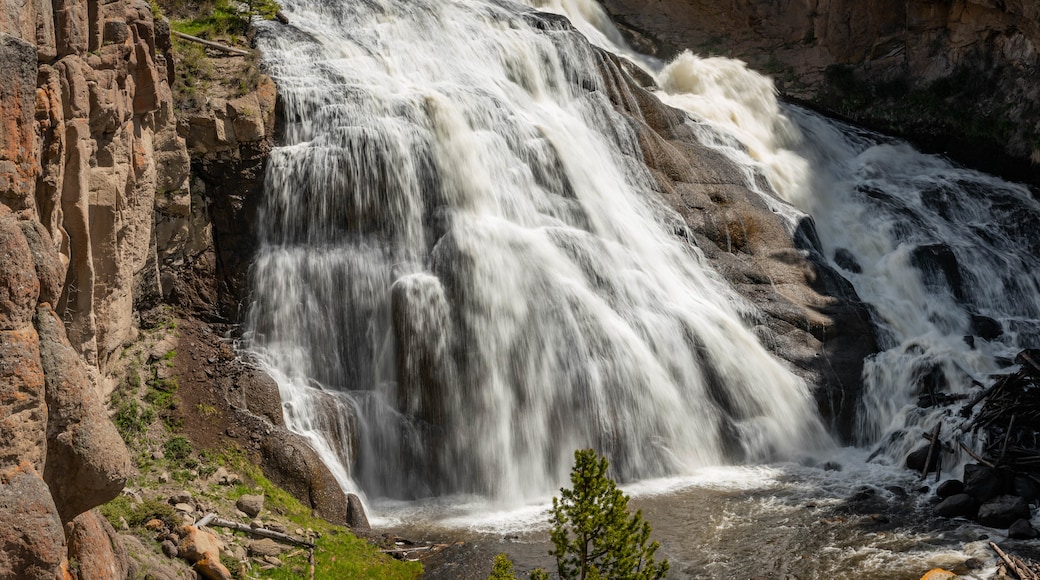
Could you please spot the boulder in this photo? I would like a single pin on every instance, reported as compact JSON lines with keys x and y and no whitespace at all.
{"x":916,"y":459}
{"x":959,"y":505}
{"x":356,"y":518}
{"x":210,"y":568}
{"x":1026,"y":488}
{"x":265,"y":547}
{"x":1002,"y":511}
{"x":291,"y":463}
{"x":87,"y":460}
{"x":982,"y":482}
{"x":197,"y":544}
{"x":32,"y":541}
{"x":251,"y":505}
{"x":949,"y":488}
{"x":1022,"y":529}
{"x":180,"y":497}
{"x":96,"y":549}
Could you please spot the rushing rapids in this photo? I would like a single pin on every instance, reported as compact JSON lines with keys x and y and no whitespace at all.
{"x":464,"y":275}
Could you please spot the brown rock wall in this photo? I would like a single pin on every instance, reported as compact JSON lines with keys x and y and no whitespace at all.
{"x":957,"y":76}
{"x":82,"y":117}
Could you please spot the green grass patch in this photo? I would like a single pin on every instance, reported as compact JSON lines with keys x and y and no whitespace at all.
{"x":339,"y":553}
{"x":137,"y":514}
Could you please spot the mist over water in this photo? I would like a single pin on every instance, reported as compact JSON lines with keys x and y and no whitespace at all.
{"x":464,"y":274}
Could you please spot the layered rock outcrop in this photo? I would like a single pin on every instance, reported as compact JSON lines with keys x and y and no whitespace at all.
{"x":85,"y":108}
{"x":810,"y":315}
{"x":957,"y":76}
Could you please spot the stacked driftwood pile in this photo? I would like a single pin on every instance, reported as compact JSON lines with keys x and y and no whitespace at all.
{"x":999,"y":489}
{"x":1010,"y":417}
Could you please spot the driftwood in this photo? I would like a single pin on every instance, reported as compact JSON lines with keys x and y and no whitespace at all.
{"x":404,"y":553}
{"x":214,"y":521}
{"x":975,"y":456}
{"x":281,"y":17}
{"x":931,"y":452}
{"x":211,"y":44}
{"x":1022,"y":569}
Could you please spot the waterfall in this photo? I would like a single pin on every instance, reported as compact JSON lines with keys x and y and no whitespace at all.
{"x":946,"y":257}
{"x":464,"y":273}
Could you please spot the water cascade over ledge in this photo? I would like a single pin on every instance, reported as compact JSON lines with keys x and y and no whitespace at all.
{"x":464,"y":272}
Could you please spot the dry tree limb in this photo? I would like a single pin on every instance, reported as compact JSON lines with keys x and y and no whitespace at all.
{"x":263,"y":533}
{"x":931,"y":449}
{"x":975,"y":455}
{"x":211,"y":44}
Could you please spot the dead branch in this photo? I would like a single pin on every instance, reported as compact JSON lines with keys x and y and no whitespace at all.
{"x":262,"y":532}
{"x":211,"y":44}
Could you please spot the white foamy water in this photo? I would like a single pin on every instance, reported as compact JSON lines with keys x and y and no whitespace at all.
{"x":462,"y":258}
{"x":463,"y":276}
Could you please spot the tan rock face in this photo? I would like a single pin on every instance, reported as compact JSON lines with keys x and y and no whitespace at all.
{"x":19,"y":287}
{"x":23,"y":411}
{"x":82,"y":116}
{"x":87,"y":462}
{"x":17,"y":110}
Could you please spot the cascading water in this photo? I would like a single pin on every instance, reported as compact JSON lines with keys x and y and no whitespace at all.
{"x":464,"y":275}
{"x":946,"y":257}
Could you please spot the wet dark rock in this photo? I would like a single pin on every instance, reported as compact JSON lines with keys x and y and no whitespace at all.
{"x":846,"y":261}
{"x":863,"y":494}
{"x":356,"y":518}
{"x":939,"y":268}
{"x":973,"y":564}
{"x":982,"y":482}
{"x":916,"y":459}
{"x":1002,"y":511}
{"x":1026,"y":488}
{"x":896,"y":491}
{"x":960,"y":505}
{"x":986,"y":327}
{"x":831,"y":466}
{"x":949,"y":488}
{"x":1021,"y":529}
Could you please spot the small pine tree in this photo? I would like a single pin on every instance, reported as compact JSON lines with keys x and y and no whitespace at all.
{"x":503,"y":570}
{"x":593,"y":535}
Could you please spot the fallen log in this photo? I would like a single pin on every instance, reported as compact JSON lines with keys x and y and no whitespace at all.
{"x":214,"y":521}
{"x":211,"y":44}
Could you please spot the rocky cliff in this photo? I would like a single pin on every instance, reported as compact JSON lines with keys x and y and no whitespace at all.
{"x":100,"y":224}
{"x":957,"y":76}
{"x":88,"y":143}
